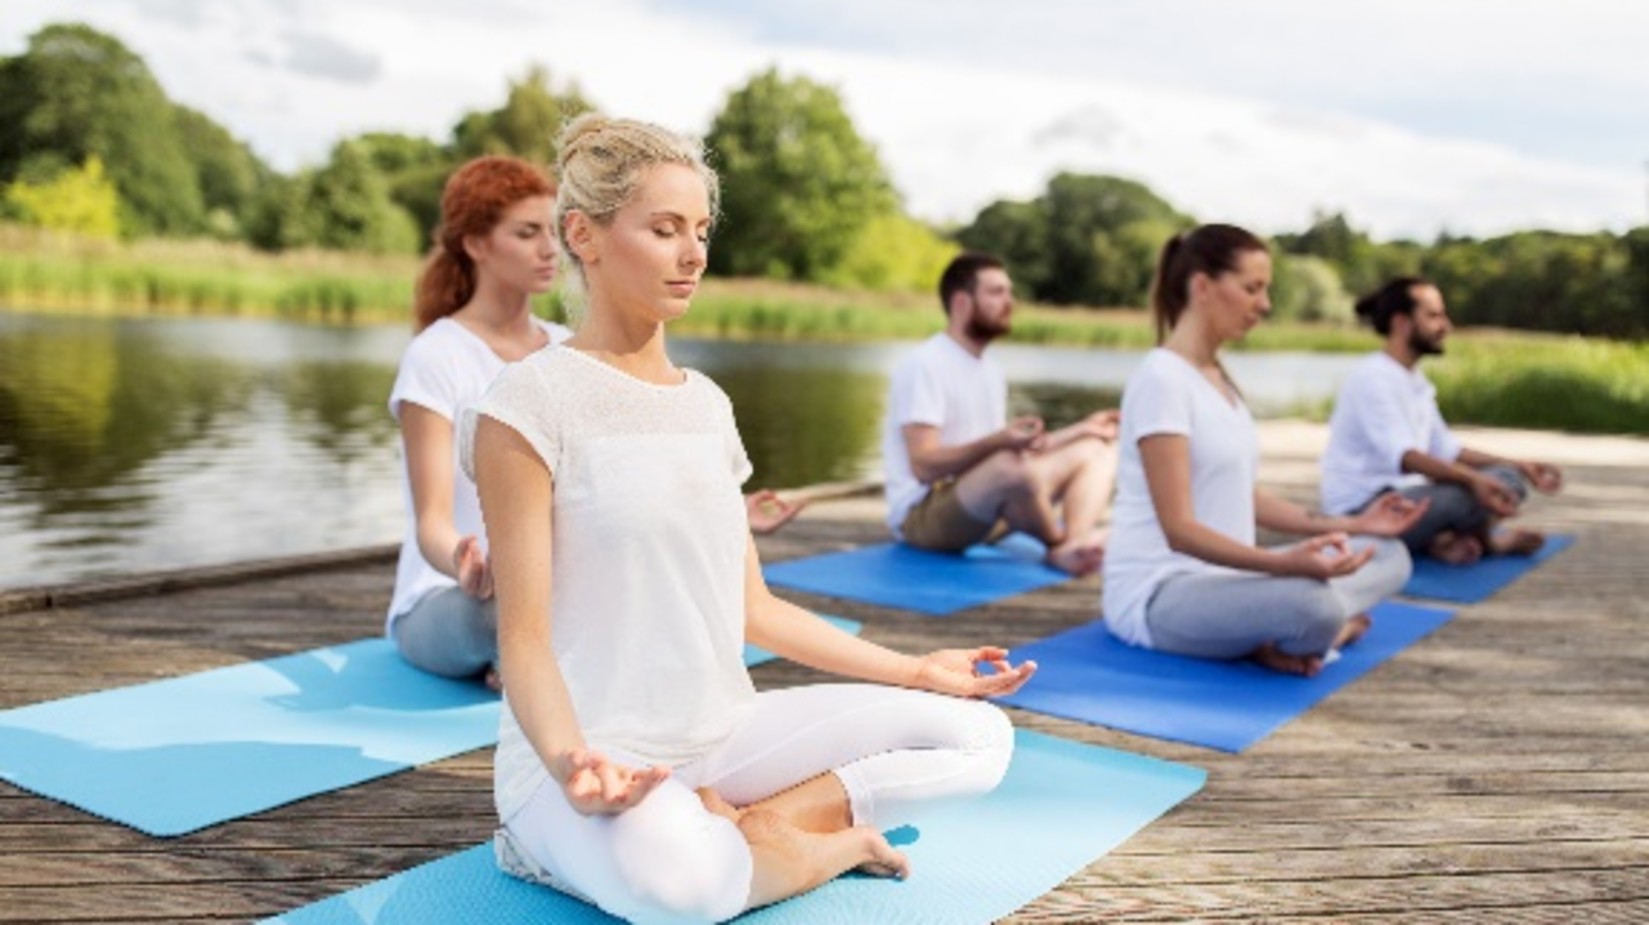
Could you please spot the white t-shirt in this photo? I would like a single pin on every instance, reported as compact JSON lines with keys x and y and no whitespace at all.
{"x":444,"y":369}
{"x":1168,"y":395}
{"x":648,"y":568}
{"x":1384,"y":410}
{"x":941,"y":384}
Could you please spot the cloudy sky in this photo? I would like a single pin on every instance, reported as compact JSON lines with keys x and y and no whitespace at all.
{"x":1415,"y":116}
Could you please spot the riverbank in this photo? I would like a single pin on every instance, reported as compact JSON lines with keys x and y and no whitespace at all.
{"x":1486,"y":774}
{"x":1489,"y":377}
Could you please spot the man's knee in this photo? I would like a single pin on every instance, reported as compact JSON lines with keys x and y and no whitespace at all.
{"x":1511,"y":478}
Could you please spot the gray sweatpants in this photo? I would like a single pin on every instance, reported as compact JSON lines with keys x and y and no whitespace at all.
{"x":1454,"y":507}
{"x":448,"y":633}
{"x":1229,"y":616}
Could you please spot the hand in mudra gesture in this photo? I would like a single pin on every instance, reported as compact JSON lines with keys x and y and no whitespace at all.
{"x":597,"y":786}
{"x":957,"y":672}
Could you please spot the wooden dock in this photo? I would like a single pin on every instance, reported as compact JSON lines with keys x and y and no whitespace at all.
{"x":1496,"y":772}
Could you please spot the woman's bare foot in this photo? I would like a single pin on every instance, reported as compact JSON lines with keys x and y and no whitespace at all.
{"x":715,"y":804}
{"x":1356,"y":628}
{"x":790,"y":861}
{"x":1269,"y":656}
{"x":1516,"y":542}
{"x":1453,"y":548}
{"x":1078,"y":557}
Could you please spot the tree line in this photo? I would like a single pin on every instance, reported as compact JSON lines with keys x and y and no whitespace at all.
{"x":95,"y":146}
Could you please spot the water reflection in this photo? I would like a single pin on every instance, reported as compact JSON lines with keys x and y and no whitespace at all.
{"x":136,"y":444}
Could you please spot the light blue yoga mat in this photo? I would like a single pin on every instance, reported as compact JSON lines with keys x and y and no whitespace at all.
{"x":174,"y":756}
{"x":1471,"y":584}
{"x":932,"y":583}
{"x":1086,"y":674}
{"x":1061,"y":806}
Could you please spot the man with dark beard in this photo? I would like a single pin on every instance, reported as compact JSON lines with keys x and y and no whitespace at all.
{"x":1386,"y":434}
{"x":959,"y":472}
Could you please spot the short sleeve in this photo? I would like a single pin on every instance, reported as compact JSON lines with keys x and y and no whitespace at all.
{"x":1156,"y":402}
{"x":521,"y":399}
{"x":738,"y":461}
{"x":426,"y":378}
{"x":918,"y":395}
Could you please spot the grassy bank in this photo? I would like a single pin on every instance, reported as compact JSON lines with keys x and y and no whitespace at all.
{"x":1498,"y":378}
{"x":43,"y":272}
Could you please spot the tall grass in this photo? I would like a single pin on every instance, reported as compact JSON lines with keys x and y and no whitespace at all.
{"x":42,"y":271}
{"x":1545,"y":382}
{"x":1498,"y":378}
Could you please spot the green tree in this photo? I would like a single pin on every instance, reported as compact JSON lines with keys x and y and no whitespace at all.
{"x":527,"y":124}
{"x":1087,"y":239}
{"x":231,"y":176}
{"x":347,"y":206}
{"x":79,"y":200}
{"x":75,"y":93}
{"x":1017,"y":232}
{"x":799,"y":183}
{"x":1306,"y":288}
{"x":893,"y":253}
{"x":416,"y":170}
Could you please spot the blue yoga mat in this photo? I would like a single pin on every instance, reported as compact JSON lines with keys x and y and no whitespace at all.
{"x":1471,"y":584}
{"x":1061,"y":806}
{"x":1087,"y":674}
{"x":174,"y":756}
{"x":932,"y":583}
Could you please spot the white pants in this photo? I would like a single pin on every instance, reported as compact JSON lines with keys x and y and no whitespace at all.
{"x":897,"y":752}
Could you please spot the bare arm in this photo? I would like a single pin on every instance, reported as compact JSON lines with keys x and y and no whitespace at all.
{"x":1101,"y":425}
{"x":791,"y":632}
{"x":516,"y":494}
{"x":426,"y":439}
{"x":1277,"y":513}
{"x":931,"y":460}
{"x":1488,"y":490}
{"x":1545,"y":477}
{"x":1166,"y":459}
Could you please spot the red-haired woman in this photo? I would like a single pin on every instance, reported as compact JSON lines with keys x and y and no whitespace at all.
{"x":495,"y":249}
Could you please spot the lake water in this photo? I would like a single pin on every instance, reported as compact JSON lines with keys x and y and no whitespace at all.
{"x":132,"y":444}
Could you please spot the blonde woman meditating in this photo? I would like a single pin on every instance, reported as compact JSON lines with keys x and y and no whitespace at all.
{"x":1183,"y":573}
{"x":637,"y":766}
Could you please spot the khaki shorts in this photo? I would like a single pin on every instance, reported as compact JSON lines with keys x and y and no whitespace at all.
{"x":939,"y":522}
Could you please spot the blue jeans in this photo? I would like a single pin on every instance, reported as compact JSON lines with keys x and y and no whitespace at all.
{"x":448,"y":633}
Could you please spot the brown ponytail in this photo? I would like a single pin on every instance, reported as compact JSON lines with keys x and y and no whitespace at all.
{"x":1207,"y":249}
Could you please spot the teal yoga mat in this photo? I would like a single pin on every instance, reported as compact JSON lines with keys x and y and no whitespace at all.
{"x":1471,"y":584}
{"x":1086,"y":674}
{"x":1061,"y":806}
{"x":931,"y":583}
{"x":174,"y":756}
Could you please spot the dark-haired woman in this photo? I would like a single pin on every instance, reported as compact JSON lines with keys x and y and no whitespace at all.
{"x":1184,"y":574}
{"x":1387,"y":436}
{"x":495,"y":249}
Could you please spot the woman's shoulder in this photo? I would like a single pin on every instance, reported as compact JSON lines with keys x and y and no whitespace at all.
{"x":1160,"y":365}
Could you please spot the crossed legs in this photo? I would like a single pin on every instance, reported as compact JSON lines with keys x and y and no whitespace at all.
{"x":1026,"y":490}
{"x":798,"y":795}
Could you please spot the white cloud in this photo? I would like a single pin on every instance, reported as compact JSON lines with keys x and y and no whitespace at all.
{"x":1196,"y":113}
